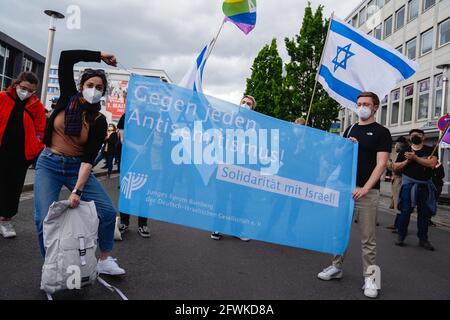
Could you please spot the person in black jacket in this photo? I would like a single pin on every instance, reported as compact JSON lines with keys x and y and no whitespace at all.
{"x":109,"y":149}
{"x":74,"y":134}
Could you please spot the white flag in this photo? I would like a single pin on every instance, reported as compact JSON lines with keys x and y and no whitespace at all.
{"x":193,"y":78}
{"x":354,"y":62}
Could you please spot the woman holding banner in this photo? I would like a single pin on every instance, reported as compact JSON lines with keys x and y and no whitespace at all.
{"x":74,"y":134}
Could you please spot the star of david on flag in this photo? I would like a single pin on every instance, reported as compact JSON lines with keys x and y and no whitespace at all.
{"x":343,"y":63}
{"x":354,"y":62}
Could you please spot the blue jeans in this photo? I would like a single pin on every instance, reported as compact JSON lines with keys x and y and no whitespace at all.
{"x":423,"y":213}
{"x":55,"y":171}
{"x":109,"y":161}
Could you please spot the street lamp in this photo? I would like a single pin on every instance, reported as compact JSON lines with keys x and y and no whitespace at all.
{"x":51,"y":36}
{"x":444,"y":67}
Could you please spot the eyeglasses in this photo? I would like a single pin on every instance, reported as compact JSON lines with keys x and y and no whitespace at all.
{"x":27,"y":89}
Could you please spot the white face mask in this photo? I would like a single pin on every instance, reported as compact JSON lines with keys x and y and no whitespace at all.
{"x":92,"y":95}
{"x":246,"y":106}
{"x":364,"y":113}
{"x":23,"y":94}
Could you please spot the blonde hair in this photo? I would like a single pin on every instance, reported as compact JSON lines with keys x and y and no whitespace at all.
{"x":251,"y":98}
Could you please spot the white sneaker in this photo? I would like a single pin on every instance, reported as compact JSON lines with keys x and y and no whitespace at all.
{"x":117,"y":234}
{"x":109,"y":266}
{"x":7,"y":229}
{"x":245,"y":239}
{"x":330,"y":273}
{"x":370,"y":288}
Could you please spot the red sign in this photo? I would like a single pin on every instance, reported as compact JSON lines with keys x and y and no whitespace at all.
{"x":116,"y":99}
{"x":443,"y":122}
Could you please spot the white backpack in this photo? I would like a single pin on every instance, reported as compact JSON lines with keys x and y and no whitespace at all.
{"x":70,"y":240}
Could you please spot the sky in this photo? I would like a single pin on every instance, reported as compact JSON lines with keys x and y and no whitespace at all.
{"x":162,"y":34}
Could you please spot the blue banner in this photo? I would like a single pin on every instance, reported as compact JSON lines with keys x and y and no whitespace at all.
{"x":197,"y":161}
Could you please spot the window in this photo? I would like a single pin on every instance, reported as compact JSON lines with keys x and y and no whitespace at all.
{"x":413,"y":9}
{"x":362,"y":16}
{"x":355,"y":21}
{"x":427,"y":4}
{"x":409,"y":95}
{"x":411,"y":47}
{"x":371,"y":8}
{"x":383,"y":114}
{"x":437,"y":95}
{"x":388,"y":27}
{"x":400,"y":18}
{"x":444,"y":32}
{"x":424,"y":95}
{"x":53,"y":71}
{"x":395,"y":97}
{"x":5,"y":68}
{"x":27,"y":65}
{"x":400,"y":49}
{"x":377,"y":32}
{"x":426,"y":42}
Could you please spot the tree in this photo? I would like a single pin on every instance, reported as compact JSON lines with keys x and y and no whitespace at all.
{"x":265,"y":83}
{"x":305,"y":51}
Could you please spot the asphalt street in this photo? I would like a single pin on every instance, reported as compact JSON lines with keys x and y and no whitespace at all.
{"x":183,"y":263}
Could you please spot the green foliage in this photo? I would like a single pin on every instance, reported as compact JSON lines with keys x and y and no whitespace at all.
{"x":265,"y":83}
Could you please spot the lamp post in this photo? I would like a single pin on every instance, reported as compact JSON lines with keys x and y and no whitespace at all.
{"x":444,"y":67}
{"x":51,"y":36}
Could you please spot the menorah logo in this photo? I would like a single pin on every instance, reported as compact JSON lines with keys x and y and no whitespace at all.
{"x":132,"y":182}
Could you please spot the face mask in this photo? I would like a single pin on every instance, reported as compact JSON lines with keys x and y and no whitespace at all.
{"x":23,"y":94}
{"x":364,"y":113}
{"x":246,"y":106}
{"x":92,"y":95}
{"x":416,"y":140}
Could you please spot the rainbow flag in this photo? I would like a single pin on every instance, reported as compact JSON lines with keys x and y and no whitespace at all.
{"x":241,"y":12}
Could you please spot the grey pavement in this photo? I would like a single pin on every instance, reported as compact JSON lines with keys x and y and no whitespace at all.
{"x":184,"y":263}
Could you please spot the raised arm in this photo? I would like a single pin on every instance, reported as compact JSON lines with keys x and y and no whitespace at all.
{"x":67,"y":61}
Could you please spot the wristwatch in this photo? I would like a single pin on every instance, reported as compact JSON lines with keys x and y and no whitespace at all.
{"x":78,"y":192}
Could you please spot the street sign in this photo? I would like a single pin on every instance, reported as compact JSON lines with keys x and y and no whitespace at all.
{"x":443,"y":122}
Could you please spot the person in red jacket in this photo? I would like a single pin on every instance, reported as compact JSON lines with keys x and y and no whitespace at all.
{"x":22,"y":125}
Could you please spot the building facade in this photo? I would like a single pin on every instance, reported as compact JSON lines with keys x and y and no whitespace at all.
{"x":114,"y":101}
{"x":419,"y":29}
{"x":15,"y":58}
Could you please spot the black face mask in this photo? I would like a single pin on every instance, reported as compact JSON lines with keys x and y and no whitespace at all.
{"x":416,"y":140}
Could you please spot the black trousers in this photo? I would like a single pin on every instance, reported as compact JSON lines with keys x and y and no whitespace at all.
{"x":125,"y":219}
{"x":12,"y":178}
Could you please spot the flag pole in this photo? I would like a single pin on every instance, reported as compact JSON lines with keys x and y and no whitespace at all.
{"x":214,"y":40}
{"x":318,"y":69}
{"x":440,"y":140}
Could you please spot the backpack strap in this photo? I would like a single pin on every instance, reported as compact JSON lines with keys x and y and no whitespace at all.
{"x":112,"y":288}
{"x":82,"y":251}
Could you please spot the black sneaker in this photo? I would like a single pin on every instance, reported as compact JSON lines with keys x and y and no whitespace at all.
{"x":123,"y":227}
{"x":144,"y":232}
{"x":400,"y":241}
{"x":426,"y":245}
{"x":216,"y":236}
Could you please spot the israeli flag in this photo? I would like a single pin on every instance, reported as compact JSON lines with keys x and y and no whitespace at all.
{"x":193,"y":78}
{"x":354,"y":62}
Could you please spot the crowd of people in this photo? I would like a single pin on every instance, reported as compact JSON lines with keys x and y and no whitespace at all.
{"x":68,"y":142}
